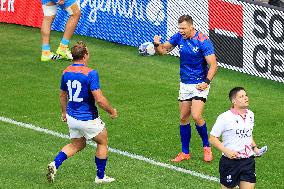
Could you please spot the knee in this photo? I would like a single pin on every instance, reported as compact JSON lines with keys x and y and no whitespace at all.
{"x":49,"y":19}
{"x":184,"y":119}
{"x":76,"y":15}
{"x":197,"y":118}
{"x":104,"y":141}
{"x":79,"y":146}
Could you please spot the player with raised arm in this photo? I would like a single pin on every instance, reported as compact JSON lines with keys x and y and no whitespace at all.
{"x":80,"y":90}
{"x":197,"y":68}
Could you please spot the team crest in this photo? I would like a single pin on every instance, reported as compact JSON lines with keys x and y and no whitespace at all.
{"x":195,"y":49}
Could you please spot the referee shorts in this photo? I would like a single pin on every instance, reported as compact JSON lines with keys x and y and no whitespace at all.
{"x":232,"y":171}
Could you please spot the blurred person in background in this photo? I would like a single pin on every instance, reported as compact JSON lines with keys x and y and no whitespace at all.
{"x":49,"y":8}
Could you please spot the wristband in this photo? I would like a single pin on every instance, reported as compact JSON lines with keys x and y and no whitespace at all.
{"x":207,"y":81}
{"x":156,"y":44}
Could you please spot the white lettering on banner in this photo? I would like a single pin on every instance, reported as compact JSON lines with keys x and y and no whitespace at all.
{"x":156,"y":16}
{"x":10,"y":5}
{"x":2,"y":5}
{"x":268,"y":53}
{"x":154,"y":12}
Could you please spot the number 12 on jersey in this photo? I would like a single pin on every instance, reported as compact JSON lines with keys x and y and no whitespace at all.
{"x":77,"y":86}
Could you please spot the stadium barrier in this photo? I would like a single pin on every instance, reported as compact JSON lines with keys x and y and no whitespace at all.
{"x":248,"y":37}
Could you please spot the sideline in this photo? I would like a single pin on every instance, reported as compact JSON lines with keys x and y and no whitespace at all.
{"x":124,"y":153}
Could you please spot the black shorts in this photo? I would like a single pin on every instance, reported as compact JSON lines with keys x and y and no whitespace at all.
{"x":232,"y":171}
{"x":195,"y":98}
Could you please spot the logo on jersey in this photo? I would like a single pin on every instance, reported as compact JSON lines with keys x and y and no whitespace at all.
{"x":244,"y":133}
{"x":195,"y":49}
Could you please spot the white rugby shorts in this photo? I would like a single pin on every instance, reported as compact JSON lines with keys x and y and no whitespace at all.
{"x":88,"y":129}
{"x":51,"y":10}
{"x":188,"y":91}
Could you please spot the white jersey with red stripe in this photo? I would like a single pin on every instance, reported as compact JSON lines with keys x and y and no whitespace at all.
{"x":236,"y":132}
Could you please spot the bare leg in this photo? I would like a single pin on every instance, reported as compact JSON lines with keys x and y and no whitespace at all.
{"x":72,"y":22}
{"x":196,"y":111}
{"x":46,"y":26}
{"x":76,"y":145}
{"x":101,"y":157}
{"x":185,"y":110}
{"x":102,"y":141}
{"x":246,"y":185}
{"x":45,"y":29}
{"x":70,"y":27}
{"x":68,"y":150}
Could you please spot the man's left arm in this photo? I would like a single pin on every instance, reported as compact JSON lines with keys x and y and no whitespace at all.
{"x":212,"y":62}
{"x":254,"y":147}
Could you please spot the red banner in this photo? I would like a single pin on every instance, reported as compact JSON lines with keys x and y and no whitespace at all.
{"x":24,"y":12}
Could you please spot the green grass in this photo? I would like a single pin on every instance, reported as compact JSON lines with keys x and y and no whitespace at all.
{"x":144,"y":90}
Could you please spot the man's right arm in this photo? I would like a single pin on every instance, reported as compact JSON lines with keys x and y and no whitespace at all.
{"x":162,"y":48}
{"x":216,"y":132}
{"x":103,"y":103}
{"x":220,"y":146}
{"x":63,"y":104}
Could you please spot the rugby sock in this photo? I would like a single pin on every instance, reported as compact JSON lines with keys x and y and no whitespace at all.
{"x":61,"y":156}
{"x":101,"y":166}
{"x":65,"y":41}
{"x":45,"y":47}
{"x":202,"y":131}
{"x":185,"y":135}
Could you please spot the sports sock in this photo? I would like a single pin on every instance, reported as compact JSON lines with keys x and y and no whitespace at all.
{"x":64,"y":41}
{"x":61,"y":156}
{"x":45,"y":47}
{"x":202,"y":131}
{"x":101,"y":166}
{"x":185,"y":135}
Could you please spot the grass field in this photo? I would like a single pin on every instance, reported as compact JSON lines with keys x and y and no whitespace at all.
{"x":144,"y":90}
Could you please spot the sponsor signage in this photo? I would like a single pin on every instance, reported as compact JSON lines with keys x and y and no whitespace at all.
{"x":22,"y":12}
{"x":226,"y":31}
{"x":130,"y":22}
{"x":264,"y":44}
{"x":247,"y":37}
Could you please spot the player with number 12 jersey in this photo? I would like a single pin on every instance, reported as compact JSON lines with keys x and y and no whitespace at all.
{"x":80,"y":81}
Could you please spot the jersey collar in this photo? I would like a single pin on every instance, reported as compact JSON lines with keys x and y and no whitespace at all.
{"x":235,"y":112}
{"x":196,"y":34}
{"x":77,"y":64}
